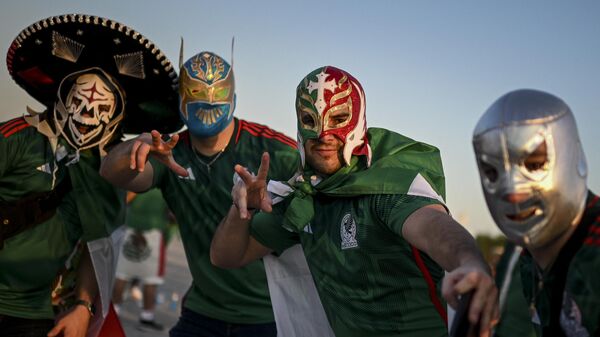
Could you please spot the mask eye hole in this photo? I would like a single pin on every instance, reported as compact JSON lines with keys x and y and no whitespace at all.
{"x":338,"y":118}
{"x":489,"y":171}
{"x":104,"y":108}
{"x":307,"y":120}
{"x":538,"y":160}
{"x":75,"y":101}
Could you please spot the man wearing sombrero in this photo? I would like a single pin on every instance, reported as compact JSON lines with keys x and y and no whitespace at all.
{"x":98,"y":79}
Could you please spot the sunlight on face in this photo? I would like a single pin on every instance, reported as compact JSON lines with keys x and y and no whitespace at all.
{"x":324,"y":154}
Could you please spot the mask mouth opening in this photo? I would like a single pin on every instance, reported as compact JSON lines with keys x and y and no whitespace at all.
{"x":525,"y":215}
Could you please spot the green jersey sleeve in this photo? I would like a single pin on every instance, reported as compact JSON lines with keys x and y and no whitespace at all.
{"x":266,"y":228}
{"x":394,"y":209}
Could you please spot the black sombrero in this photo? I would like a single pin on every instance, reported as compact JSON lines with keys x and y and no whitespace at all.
{"x":50,"y":49}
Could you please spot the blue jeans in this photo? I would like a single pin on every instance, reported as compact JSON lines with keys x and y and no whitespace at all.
{"x":192,"y":324}
{"x":24,"y":327}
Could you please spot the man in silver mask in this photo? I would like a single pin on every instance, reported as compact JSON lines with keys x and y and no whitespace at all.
{"x":533,"y":173}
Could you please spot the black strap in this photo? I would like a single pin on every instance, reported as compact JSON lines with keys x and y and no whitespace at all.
{"x":36,"y":208}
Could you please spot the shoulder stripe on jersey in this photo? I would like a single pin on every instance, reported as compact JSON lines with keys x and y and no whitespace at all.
{"x":430,"y":285}
{"x":184,"y":136}
{"x":13,"y":122}
{"x":258,"y":130}
{"x":265,"y":129}
{"x":14,"y":128}
{"x":593,"y":201}
{"x":592,"y":242}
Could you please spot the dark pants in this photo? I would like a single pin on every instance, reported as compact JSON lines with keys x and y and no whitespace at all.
{"x":23,"y":327}
{"x":192,"y":324}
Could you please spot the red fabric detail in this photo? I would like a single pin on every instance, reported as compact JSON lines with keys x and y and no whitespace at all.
{"x":184,"y":136}
{"x":595,"y":229}
{"x":162,"y":258}
{"x":430,"y":285}
{"x":239,"y":130}
{"x":35,"y":77}
{"x":592,"y":242}
{"x":15,"y":130}
{"x":112,"y":325}
{"x":259,"y":130}
{"x":593,"y":201}
{"x":11,"y":123}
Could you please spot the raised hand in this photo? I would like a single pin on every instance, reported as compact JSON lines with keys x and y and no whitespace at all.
{"x":152,"y":144}
{"x":250,"y":191}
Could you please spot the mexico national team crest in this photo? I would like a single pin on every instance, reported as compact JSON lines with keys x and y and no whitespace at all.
{"x":348,"y":232}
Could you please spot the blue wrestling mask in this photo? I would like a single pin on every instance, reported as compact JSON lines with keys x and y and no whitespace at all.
{"x":206,"y":94}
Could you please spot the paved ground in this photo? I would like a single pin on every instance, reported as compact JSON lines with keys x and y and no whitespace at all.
{"x":177,"y":280}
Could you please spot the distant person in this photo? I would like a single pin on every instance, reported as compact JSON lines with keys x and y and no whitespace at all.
{"x":533,"y":174}
{"x":143,"y":254}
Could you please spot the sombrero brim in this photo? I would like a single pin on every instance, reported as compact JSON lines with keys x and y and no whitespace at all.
{"x":50,"y":49}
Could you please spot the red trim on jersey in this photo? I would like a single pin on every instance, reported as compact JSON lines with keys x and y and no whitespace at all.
{"x":258,"y":130}
{"x":14,"y":128}
{"x":595,"y":228}
{"x":11,"y":124}
{"x":593,"y":201}
{"x":239,"y":130}
{"x":184,"y":136}
{"x":162,"y":258}
{"x":431,"y":285}
{"x":265,"y":129}
{"x":592,"y":242}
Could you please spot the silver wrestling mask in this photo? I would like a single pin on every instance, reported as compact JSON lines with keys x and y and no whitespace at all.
{"x":532,"y":166}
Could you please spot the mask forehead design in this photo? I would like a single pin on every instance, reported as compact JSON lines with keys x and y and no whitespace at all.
{"x":331,"y":101}
{"x":207,"y":94}
{"x":508,"y":146}
{"x":92,"y":109}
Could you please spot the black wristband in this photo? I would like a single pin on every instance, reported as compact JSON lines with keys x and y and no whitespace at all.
{"x":89,"y":306}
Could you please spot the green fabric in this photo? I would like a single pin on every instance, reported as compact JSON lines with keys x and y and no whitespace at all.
{"x":30,"y":260}
{"x":100,"y":205}
{"x":350,"y":228}
{"x":373,"y":287}
{"x":201,"y":201}
{"x":148,"y":211}
{"x":396,"y":161}
{"x":515,"y":318}
{"x":581,"y":281}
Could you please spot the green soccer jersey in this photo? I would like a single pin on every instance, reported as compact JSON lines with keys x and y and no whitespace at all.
{"x":201,"y":200}
{"x":514,"y":317}
{"x":148,"y":211}
{"x":31,"y":259}
{"x":566,"y":298}
{"x":370,"y":280}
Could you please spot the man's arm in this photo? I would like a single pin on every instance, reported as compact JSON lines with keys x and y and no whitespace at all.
{"x":232,"y":245}
{"x":127,"y":166}
{"x":431,"y":230}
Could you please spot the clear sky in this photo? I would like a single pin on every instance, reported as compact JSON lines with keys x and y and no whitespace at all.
{"x":429,"y":68}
